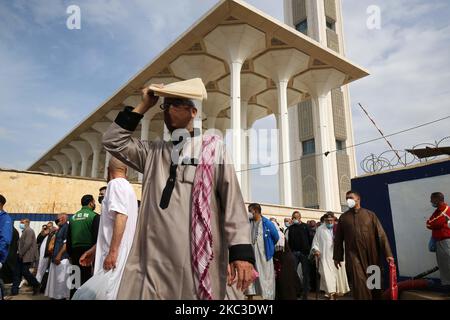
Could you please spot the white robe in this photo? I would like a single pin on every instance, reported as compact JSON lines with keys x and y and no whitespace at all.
{"x":43,"y":262}
{"x":57,"y":287}
{"x":332,"y":280}
{"x":120,"y":197}
{"x":264,"y":285}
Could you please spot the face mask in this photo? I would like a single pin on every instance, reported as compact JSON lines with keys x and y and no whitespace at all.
{"x":22,"y":226}
{"x":434,"y":205}
{"x":287,"y":224}
{"x":250,"y":216}
{"x":57,"y":221}
{"x":295,"y":221}
{"x":330,"y":225}
{"x":100,"y":199}
{"x":351,"y":203}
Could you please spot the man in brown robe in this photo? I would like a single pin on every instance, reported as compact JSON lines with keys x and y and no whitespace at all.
{"x":365,"y":242}
{"x":159,"y":263}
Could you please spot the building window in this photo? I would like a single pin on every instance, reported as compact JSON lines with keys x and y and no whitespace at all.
{"x":340,"y":145}
{"x":309,"y":147}
{"x":302,"y":26}
{"x":331,"y":24}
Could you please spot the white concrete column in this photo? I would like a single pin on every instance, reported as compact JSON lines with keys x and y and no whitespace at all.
{"x":95,"y":141}
{"x":284,"y":145}
{"x":245,"y":185}
{"x":296,"y":153}
{"x":211,"y":122}
{"x":107,"y":158}
{"x":85,"y":151}
{"x":64,"y":163}
{"x":74,"y":158}
{"x":55,"y":166}
{"x":235,"y":44}
{"x":199,"y":118}
{"x":236,"y":116}
{"x":319,"y":84}
{"x":328,"y":186}
{"x":95,"y":161}
{"x":101,"y":127}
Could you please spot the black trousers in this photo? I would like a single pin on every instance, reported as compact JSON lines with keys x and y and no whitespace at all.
{"x":23,"y":270}
{"x":306,"y":267}
{"x":2,"y":289}
{"x":85,"y":272}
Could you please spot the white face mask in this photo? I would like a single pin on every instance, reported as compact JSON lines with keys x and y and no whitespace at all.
{"x":250,"y":216}
{"x":351,"y":203}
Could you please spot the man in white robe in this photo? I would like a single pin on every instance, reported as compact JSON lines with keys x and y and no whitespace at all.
{"x":57,"y":286}
{"x":43,"y":261}
{"x":264,"y":235}
{"x":117,"y":228}
{"x":332,"y":280}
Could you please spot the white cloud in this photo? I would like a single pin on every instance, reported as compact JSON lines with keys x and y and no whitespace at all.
{"x":410,"y":74}
{"x":407,"y":58}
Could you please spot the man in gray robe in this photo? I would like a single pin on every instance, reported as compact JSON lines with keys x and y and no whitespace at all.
{"x":159,"y":264}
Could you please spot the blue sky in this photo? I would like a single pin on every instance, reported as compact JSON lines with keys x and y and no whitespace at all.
{"x":52,"y":78}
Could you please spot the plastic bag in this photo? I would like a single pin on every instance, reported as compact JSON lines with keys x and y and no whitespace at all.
{"x":96,"y":288}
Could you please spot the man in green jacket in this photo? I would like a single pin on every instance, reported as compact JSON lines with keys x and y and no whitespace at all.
{"x":82,"y":235}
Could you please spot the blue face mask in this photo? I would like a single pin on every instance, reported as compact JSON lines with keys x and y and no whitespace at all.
{"x":287,"y":224}
{"x":22,"y":226}
{"x":330,"y":225}
{"x":295,"y":221}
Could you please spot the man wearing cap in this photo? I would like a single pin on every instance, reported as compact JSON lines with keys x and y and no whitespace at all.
{"x":192,"y":238}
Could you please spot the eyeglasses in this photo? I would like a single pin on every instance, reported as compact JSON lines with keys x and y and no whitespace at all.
{"x":176,"y":104}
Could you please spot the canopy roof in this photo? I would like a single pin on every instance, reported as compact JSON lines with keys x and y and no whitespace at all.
{"x":279,"y":51}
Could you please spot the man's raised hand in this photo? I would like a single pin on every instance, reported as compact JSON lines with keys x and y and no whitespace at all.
{"x":148,"y":99}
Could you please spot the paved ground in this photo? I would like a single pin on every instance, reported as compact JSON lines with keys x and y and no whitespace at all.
{"x":26,"y":293}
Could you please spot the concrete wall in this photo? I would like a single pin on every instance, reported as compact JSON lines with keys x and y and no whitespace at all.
{"x":38,"y":196}
{"x":281,"y":212}
{"x":37,"y":192}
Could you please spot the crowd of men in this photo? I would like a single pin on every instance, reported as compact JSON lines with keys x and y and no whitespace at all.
{"x":218,"y":248}
{"x":300,"y":258}
{"x":78,"y":247}
{"x":292,"y":261}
